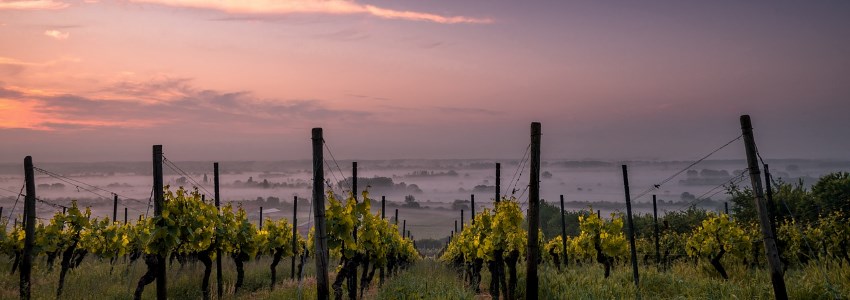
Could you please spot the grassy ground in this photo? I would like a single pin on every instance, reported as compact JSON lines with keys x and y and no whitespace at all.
{"x":95,"y":279}
{"x":684,"y":281}
{"x":429,"y":279}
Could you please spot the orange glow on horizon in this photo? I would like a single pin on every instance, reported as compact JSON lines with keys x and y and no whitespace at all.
{"x":27,"y":112}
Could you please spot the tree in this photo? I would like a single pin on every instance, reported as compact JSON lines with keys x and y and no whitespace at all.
{"x":410,"y":201}
{"x":832,"y":192}
{"x":460,"y":204}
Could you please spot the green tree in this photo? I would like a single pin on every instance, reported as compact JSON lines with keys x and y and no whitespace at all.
{"x":832,"y":193}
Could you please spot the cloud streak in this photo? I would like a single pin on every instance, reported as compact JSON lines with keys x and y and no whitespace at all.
{"x":177,"y":103}
{"x":336,"y":7}
{"x":56,"y":34}
{"x":32,"y":5}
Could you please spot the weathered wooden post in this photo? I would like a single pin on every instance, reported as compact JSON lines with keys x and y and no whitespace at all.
{"x":354,"y":181}
{"x":461,"y":220}
{"x":771,"y":206}
{"x":472,"y":209}
{"x":115,"y":208}
{"x":655,"y":223}
{"x":563,"y":232}
{"x":631,"y":226}
{"x":261,"y":217}
{"x":381,"y":274}
{"x":498,"y":182}
{"x":218,"y":275}
{"x":352,"y":277}
{"x":125,"y":215}
{"x":533,"y":214}
{"x":294,"y":235}
{"x":776,"y":275}
{"x":158,"y":203}
{"x":29,"y":230}
{"x":321,"y":239}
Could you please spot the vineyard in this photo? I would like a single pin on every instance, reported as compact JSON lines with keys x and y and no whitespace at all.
{"x":791,"y":242}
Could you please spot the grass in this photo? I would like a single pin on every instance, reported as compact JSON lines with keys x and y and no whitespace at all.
{"x":96,"y":279}
{"x":429,"y":279}
{"x":684,"y":280}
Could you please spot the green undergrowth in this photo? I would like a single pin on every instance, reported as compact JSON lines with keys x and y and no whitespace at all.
{"x":427,"y":279}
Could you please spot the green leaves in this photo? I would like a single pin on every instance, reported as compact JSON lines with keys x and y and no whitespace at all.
{"x":377,"y":239}
{"x":499,"y":230}
{"x":718,"y":232}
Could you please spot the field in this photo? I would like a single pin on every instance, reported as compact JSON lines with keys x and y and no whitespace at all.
{"x":429,"y":279}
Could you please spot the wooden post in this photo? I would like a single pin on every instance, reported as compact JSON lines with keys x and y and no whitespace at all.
{"x":219,"y":280}
{"x":631,"y":226}
{"x":472,"y":209}
{"x":776,"y":276}
{"x":352,"y":277}
{"x":1,"y":215}
{"x":396,"y":217}
{"x":498,"y":182}
{"x":403,"y":228}
{"x":114,"y":208}
{"x":29,"y":229}
{"x":598,"y":214}
{"x":125,"y":215}
{"x":533,"y":214}
{"x":354,"y":181}
{"x":381,"y":274}
{"x":726,"y":207}
{"x":383,"y":207}
{"x":461,"y":220}
{"x":771,"y":206}
{"x":563,"y":231}
{"x":321,"y":239}
{"x":158,"y":203}
{"x":261,"y":217}
{"x":655,"y":222}
{"x":294,"y":234}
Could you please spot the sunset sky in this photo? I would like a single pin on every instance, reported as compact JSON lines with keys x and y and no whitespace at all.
{"x":247,"y":79}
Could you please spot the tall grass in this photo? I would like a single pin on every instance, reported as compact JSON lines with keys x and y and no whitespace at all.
{"x":685,"y":280}
{"x":97,"y":279}
{"x":427,"y":279}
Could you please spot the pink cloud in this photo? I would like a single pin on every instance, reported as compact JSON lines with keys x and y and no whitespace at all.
{"x":56,"y":34}
{"x":152,"y":103}
{"x":340,"y":7}
{"x":32,"y":5}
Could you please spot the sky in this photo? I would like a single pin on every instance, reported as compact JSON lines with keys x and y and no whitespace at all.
{"x":248,"y":79}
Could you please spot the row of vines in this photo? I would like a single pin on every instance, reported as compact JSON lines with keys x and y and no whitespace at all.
{"x":695,"y":235}
{"x":190,"y":229}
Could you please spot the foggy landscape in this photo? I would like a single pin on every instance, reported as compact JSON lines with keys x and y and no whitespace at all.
{"x":435,"y":185}
{"x":226,"y":149}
